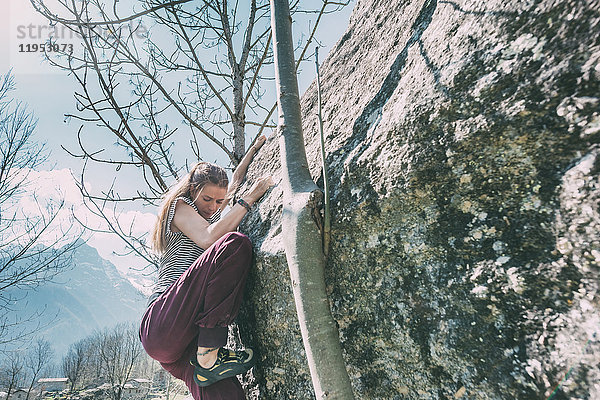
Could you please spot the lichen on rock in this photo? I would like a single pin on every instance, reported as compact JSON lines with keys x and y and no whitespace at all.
{"x":462,"y":147}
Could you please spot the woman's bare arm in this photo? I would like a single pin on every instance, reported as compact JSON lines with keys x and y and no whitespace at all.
{"x":240,"y":172}
{"x":194,"y":226}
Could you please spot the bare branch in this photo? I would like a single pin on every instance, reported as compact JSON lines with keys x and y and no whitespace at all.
{"x":40,"y":7}
{"x":32,"y":251}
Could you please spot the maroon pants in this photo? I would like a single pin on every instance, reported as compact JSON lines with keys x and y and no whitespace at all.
{"x":195,"y":311}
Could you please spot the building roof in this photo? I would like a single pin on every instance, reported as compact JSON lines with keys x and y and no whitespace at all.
{"x":48,"y":380}
{"x":104,"y":386}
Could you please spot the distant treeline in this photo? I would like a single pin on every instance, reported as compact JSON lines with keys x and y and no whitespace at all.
{"x":110,"y":357}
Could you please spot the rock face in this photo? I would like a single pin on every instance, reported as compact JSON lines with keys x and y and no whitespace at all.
{"x":462,"y":148}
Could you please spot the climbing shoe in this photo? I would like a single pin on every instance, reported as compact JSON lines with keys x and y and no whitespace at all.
{"x":229,"y":363}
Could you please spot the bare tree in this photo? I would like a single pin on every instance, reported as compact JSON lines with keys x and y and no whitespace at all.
{"x":38,"y":359}
{"x":76,"y":361}
{"x":30,"y":250}
{"x":302,"y":239}
{"x":195,"y":85}
{"x":112,"y":356}
{"x":11,"y":372}
{"x":119,"y":349}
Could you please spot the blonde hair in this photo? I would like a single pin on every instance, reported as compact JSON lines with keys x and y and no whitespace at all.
{"x":201,"y":174}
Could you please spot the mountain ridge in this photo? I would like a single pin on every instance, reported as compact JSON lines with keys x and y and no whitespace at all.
{"x":88,"y":295}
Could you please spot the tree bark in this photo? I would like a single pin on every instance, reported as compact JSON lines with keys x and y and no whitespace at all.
{"x":302,"y":239}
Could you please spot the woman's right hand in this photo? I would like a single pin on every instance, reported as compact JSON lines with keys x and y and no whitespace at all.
{"x":259,"y":143}
{"x":259,"y":188}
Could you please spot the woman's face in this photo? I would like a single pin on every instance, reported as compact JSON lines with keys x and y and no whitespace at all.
{"x":209,"y":199}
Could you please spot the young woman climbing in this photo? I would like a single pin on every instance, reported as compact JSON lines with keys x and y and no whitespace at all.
{"x":203,"y":267}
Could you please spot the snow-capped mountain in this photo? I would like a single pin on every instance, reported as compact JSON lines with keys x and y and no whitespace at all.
{"x":88,"y":296}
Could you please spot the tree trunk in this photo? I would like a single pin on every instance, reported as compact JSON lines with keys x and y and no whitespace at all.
{"x":239,"y":119}
{"x":302,"y":239}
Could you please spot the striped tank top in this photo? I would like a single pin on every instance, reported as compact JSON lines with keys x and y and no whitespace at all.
{"x":180,"y":252}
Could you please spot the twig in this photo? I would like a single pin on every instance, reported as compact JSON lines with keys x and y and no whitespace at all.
{"x":327,"y":219}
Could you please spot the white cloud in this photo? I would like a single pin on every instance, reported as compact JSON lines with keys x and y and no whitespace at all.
{"x":46,"y":189}
{"x":51,"y":183}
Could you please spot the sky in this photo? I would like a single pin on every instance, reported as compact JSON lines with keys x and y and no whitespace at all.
{"x":48,"y":93}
